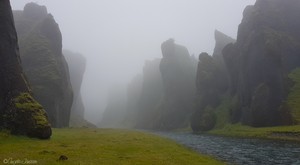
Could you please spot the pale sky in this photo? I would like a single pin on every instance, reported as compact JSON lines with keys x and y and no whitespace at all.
{"x":117,"y":36}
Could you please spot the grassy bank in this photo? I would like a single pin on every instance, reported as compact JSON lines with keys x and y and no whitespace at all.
{"x":99,"y":146}
{"x":287,"y":133}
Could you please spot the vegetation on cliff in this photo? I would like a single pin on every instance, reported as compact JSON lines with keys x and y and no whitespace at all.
{"x":19,"y":112}
{"x":44,"y":65}
{"x":259,"y":62}
{"x":293,"y":99}
{"x":27,"y":117}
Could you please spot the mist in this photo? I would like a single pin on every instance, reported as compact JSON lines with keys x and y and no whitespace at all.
{"x":116,"y":37}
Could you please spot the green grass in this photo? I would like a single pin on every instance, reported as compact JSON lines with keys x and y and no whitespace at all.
{"x":100,"y":146}
{"x":287,"y":133}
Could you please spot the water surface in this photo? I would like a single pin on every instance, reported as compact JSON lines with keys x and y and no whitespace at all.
{"x":240,"y":151}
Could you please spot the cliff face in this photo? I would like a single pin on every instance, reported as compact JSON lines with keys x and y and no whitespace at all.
{"x":77,"y":65}
{"x":115,"y":111}
{"x":221,"y":41}
{"x":12,"y":78}
{"x":150,"y":96}
{"x":223,"y":77}
{"x":44,"y":65}
{"x":19,"y":112}
{"x":212,"y":83}
{"x":133,"y":95}
{"x":143,"y":98}
{"x":178,"y":75}
{"x":122,"y":109}
{"x":266,"y":51}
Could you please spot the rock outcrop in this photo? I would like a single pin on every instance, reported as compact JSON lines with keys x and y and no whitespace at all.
{"x":212,"y":83}
{"x":19,"y":112}
{"x":266,"y":51}
{"x":208,"y":93}
{"x":178,"y":73}
{"x":150,"y":96}
{"x":221,"y":41}
{"x":115,"y":111}
{"x":44,"y":65}
{"x":133,"y":95}
{"x":143,"y":98}
{"x":77,"y":66}
{"x":223,"y":77}
{"x":122,"y":110}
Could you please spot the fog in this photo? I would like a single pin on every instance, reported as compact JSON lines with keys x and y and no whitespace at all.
{"x":117,"y":36}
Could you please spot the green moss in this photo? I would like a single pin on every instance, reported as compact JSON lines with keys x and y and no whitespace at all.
{"x":27,"y":105}
{"x":223,"y":112}
{"x":293,"y":100}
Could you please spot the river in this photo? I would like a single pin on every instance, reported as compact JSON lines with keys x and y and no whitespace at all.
{"x":240,"y":151}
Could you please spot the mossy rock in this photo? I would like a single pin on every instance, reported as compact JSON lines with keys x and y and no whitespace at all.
{"x":293,"y":99}
{"x":40,"y":43}
{"x":27,"y":117}
{"x":204,"y":121}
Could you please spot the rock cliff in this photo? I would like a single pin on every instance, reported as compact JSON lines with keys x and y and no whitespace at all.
{"x":266,"y":51}
{"x":77,"y":66}
{"x":178,"y":72}
{"x":19,"y":112}
{"x":115,"y":112}
{"x":212,"y":82}
{"x":223,"y":77}
{"x":133,"y":95}
{"x":150,"y":96}
{"x":44,"y":65}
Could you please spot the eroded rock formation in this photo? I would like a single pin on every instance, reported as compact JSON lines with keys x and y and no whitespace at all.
{"x":44,"y":65}
{"x":178,"y":73}
{"x":19,"y":112}
{"x":212,"y":83}
{"x":77,"y":65}
{"x":150,"y":96}
{"x":266,"y":51}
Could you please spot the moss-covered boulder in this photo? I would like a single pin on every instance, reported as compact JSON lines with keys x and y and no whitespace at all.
{"x":27,"y":117}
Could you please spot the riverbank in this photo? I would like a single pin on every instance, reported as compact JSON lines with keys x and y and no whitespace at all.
{"x":98,"y":146}
{"x":283,"y":133}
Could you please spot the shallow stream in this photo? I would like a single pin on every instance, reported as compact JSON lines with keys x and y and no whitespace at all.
{"x":239,"y":151}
